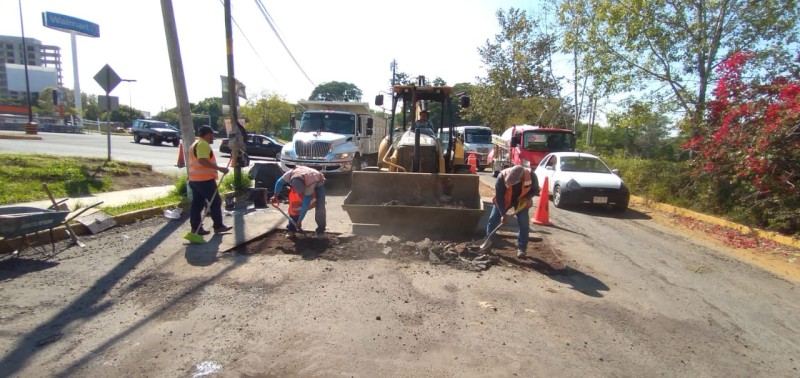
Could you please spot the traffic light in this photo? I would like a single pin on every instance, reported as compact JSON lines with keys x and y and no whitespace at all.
{"x":55,"y":96}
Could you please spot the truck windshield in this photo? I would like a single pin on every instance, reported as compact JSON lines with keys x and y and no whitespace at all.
{"x":338,"y":123}
{"x":478,"y":136}
{"x":548,"y":141}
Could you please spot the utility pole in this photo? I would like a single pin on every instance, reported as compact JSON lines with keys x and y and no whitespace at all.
{"x":233,"y":99}
{"x":178,"y":79}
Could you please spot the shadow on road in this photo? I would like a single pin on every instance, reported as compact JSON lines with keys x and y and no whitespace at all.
{"x":92,"y":303}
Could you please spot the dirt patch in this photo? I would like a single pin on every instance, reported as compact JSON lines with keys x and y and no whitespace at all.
{"x":137,"y":177}
{"x":459,"y":254}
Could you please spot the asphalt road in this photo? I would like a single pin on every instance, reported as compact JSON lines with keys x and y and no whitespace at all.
{"x":162,"y":158}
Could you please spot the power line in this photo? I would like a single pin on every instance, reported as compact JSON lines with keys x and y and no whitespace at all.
{"x":271,"y":23}
{"x":252,"y":47}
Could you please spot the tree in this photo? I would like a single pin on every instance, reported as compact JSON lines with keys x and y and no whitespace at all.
{"x":267,"y":113}
{"x":751,"y":149}
{"x":169,"y":116}
{"x":518,"y":59}
{"x":210,"y":107}
{"x":125,"y":114}
{"x":669,"y":49}
{"x":518,"y":68}
{"x":336,"y":91}
{"x":640,"y":131}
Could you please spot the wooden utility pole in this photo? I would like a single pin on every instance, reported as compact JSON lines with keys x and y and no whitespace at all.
{"x":178,"y":79}
{"x":233,"y":99}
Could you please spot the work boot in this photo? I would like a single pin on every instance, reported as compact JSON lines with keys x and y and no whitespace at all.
{"x":201,"y":231}
{"x":321,"y":235}
{"x":221,"y":229}
{"x":521,"y":254}
{"x":290,"y":235}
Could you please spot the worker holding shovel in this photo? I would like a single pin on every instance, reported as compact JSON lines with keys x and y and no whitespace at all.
{"x":309,"y":184}
{"x":203,"y":174}
{"x":514,"y":189}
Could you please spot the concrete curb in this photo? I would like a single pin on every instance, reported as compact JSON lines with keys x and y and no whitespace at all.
{"x":20,"y":136}
{"x":778,"y":238}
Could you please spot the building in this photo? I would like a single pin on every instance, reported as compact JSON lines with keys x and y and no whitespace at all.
{"x":44,"y":67}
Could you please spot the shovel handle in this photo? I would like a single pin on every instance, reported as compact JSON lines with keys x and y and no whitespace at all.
{"x":288,"y":217}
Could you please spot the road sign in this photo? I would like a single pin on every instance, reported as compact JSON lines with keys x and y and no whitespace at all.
{"x":108,"y":103}
{"x":107,"y":78}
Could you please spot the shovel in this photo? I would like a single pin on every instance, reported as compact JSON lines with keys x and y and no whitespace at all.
{"x":289,"y":218}
{"x":486,"y":243}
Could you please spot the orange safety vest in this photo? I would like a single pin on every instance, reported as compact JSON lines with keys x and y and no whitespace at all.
{"x":527,"y":184}
{"x":197,"y":171}
{"x":310,"y":176}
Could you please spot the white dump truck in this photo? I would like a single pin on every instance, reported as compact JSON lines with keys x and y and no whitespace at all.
{"x":334,"y":137}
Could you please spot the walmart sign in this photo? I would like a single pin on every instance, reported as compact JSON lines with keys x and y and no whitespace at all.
{"x":70,"y":24}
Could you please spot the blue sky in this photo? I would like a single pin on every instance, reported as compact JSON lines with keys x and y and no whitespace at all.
{"x":350,"y":40}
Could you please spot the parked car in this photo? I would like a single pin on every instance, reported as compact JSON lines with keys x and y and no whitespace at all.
{"x":577,"y":178}
{"x":155,"y":131}
{"x":256,"y":145}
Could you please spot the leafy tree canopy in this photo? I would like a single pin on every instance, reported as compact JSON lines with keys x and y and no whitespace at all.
{"x":336,"y":91}
{"x":669,"y":49}
{"x":267,"y":113}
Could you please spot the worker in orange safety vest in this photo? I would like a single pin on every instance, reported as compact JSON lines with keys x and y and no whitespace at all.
{"x":309,"y":184}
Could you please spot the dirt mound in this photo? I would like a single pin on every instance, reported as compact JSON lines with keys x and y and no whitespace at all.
{"x":459,"y":254}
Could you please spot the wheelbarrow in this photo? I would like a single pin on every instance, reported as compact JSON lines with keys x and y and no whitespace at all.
{"x":19,"y":221}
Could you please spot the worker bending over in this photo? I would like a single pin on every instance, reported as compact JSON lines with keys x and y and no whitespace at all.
{"x":514,"y":189}
{"x":310,"y":185}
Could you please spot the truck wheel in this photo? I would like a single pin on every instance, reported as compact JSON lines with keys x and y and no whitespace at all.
{"x":137,"y":138}
{"x":156,"y":141}
{"x":176,"y":143}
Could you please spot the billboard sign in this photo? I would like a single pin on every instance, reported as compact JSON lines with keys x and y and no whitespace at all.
{"x":70,"y":24}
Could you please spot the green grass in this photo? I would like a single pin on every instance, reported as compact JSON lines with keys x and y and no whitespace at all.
{"x":172,"y":200}
{"x":22,"y":176}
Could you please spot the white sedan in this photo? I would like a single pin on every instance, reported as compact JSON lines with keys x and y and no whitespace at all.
{"x":577,"y":178}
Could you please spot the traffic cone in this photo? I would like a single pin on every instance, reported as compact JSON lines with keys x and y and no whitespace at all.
{"x":181,"y":162}
{"x":542,"y":216}
{"x":473,"y":163}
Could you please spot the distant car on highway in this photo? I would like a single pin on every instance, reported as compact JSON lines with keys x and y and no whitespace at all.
{"x":256,"y":145}
{"x":155,"y":131}
{"x":577,"y":178}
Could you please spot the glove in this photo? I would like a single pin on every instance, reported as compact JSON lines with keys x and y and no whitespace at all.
{"x":274,"y":200}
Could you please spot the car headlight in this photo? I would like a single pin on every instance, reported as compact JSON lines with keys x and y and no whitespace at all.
{"x":573,"y":185}
{"x":343,"y":155}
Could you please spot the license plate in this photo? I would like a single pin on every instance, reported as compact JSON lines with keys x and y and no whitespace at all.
{"x":600,"y":200}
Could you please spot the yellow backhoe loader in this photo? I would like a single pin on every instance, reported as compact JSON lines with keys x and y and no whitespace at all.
{"x":416,"y":188}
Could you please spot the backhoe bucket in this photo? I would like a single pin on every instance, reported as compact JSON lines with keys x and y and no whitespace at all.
{"x":426,"y":204}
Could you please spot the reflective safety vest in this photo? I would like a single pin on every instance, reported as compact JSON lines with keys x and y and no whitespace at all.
{"x":527,"y":185}
{"x":310,"y":177}
{"x":197,"y":171}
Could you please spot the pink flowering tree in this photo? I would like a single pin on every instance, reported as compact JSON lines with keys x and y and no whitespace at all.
{"x":750,"y":151}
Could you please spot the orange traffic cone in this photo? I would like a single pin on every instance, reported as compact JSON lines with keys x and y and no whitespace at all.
{"x":542,"y":216}
{"x":473,"y":163}
{"x":181,"y":162}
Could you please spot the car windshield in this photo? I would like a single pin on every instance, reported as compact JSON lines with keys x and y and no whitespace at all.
{"x":339,"y":123}
{"x":583,"y":164}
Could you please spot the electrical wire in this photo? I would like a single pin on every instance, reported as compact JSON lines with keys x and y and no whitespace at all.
{"x":252,"y":47}
{"x":271,"y":23}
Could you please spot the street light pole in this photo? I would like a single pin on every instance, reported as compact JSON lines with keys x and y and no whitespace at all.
{"x":130,"y":98}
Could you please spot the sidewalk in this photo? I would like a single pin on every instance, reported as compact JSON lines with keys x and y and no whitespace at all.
{"x":117,"y":198}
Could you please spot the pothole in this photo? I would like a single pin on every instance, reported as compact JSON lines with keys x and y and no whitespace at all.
{"x":463,"y":254}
